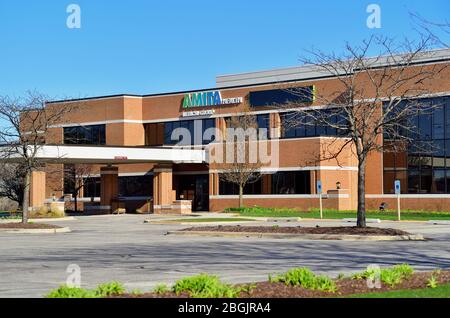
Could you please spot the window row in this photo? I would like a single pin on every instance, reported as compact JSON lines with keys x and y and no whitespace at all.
{"x":129,"y":186}
{"x":286,"y":182}
{"x":431,"y":122}
{"x":296,"y":125}
{"x":418,"y":181}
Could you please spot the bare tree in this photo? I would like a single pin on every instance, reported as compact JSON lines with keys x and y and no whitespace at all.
{"x":242,"y":166}
{"x":12,"y":181}
{"x":27,"y":122}
{"x":76,"y":176}
{"x":372,"y":96}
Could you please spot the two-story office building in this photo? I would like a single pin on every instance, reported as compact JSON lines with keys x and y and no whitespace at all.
{"x":128,"y":141}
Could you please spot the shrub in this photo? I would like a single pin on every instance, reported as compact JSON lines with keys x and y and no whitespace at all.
{"x":109,"y":289}
{"x":70,"y":292}
{"x":161,"y":289}
{"x":103,"y":290}
{"x":205,"y":286}
{"x":432,"y":282}
{"x":307,"y":279}
{"x":390,"y":276}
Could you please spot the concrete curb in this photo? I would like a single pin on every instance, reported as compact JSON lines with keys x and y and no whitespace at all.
{"x":412,"y":237}
{"x":168,"y":222}
{"x":36,"y":231}
{"x":67,"y":218}
{"x":439,"y":222}
{"x":367,"y":220}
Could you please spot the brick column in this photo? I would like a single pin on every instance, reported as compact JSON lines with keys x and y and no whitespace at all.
{"x":163,"y":193}
{"x":275,"y":125}
{"x":213,"y":184}
{"x":37,"y":189}
{"x":109,"y":188}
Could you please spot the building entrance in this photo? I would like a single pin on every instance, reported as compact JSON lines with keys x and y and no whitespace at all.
{"x":195,"y":188}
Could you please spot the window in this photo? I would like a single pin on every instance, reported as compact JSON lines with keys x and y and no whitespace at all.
{"x":282,"y":96}
{"x":136,"y":186}
{"x":91,"y":187}
{"x":85,"y":135}
{"x":192,"y":133}
{"x":297,"y":182}
{"x":296,"y":125}
{"x":228,"y":188}
{"x":263,"y":121}
{"x":427,"y":160}
{"x":69,"y":179}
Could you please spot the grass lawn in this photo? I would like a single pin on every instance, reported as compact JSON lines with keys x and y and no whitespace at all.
{"x":204,"y":220}
{"x":333,"y":214}
{"x":442,"y":291}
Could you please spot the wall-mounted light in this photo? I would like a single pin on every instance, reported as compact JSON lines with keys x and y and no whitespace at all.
{"x":338,"y":185}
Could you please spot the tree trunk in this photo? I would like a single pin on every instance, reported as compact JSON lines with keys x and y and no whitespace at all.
{"x":75,"y":202}
{"x":26,"y":197}
{"x":241,"y":196}
{"x":361,"y":213}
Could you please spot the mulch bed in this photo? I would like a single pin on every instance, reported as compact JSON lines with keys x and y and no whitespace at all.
{"x":21,"y":226}
{"x":345,"y":287}
{"x":349,"y":230}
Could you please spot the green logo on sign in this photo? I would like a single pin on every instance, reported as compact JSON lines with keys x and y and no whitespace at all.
{"x":202,"y":99}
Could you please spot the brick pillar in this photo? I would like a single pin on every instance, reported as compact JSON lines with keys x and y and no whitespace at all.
{"x":163,"y":193}
{"x":109,"y":188}
{"x":221,"y":127}
{"x":275,"y":125}
{"x":37,"y":189}
{"x":213,"y":184}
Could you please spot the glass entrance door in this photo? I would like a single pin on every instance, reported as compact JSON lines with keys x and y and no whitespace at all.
{"x":195,"y":188}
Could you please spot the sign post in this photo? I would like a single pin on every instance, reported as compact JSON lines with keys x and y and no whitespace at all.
{"x":397,"y":187}
{"x":319,"y":191}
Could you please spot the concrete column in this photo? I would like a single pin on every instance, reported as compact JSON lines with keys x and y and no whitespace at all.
{"x":109,"y":188}
{"x":37,"y":189}
{"x":163,"y":193}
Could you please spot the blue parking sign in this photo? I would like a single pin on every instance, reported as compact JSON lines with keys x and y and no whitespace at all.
{"x":319,"y":187}
{"x":397,"y":186}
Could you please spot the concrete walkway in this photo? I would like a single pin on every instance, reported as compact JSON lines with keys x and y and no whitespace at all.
{"x":123,"y":248}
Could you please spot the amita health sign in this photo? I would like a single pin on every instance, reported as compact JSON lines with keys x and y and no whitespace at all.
{"x":205,"y":99}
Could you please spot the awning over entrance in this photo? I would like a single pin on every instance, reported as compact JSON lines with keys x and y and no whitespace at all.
{"x":111,"y":155}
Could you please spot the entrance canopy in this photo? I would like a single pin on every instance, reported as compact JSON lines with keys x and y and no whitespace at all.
{"x":109,"y":155}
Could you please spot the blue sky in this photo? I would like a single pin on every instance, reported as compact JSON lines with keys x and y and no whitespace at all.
{"x":143,"y":47}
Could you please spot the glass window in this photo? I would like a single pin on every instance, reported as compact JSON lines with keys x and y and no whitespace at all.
{"x":281,"y":96}
{"x":438,"y":122}
{"x":425,"y":126}
{"x":429,"y":152}
{"x":413,"y":181}
{"x":136,"y":186}
{"x":438,"y":185}
{"x":91,"y":187}
{"x":85,"y":135}
{"x":190,"y":126}
{"x":285,"y":182}
{"x":229,"y":188}
{"x":69,"y":179}
{"x":263,"y":121}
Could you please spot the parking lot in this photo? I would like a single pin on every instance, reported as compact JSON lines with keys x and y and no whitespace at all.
{"x":140,"y":255}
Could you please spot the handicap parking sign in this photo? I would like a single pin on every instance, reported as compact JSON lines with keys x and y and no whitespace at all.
{"x":319,"y":187}
{"x":397,"y":186}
